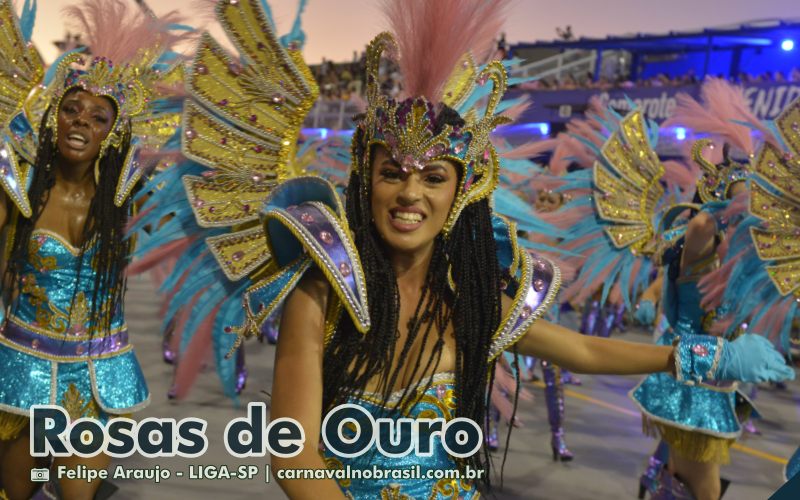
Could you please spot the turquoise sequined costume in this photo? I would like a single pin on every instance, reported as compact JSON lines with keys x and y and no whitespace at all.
{"x":52,"y":356}
{"x":674,"y":407}
{"x":52,"y":347}
{"x":438,"y":401}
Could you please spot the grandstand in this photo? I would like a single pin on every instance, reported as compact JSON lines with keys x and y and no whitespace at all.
{"x":646,"y":69}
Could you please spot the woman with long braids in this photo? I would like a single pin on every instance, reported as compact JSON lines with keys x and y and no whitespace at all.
{"x":434,"y":287}
{"x":64,"y":207}
{"x":400,"y":301}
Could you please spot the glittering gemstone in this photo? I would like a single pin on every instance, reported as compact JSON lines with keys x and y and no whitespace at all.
{"x":190,"y":133}
{"x":795,"y":126}
{"x":526,"y":311}
{"x":246,"y":207}
{"x":326,"y":237}
{"x":307,"y":218}
{"x":277,"y":99}
{"x":700,"y":350}
{"x":237,"y":256}
{"x":253,"y":118}
{"x":199,"y":203}
{"x":228,"y":329}
{"x":293,"y":45}
{"x":223,"y":102}
{"x":35,"y":343}
{"x":344,"y":268}
{"x":201,"y":69}
{"x":80,"y":350}
{"x":440,"y":391}
{"x":212,"y":209}
{"x":391,"y":140}
{"x":258,"y":149}
{"x":538,"y":285}
{"x":257,"y":178}
{"x":503,"y":285}
{"x":458,"y":148}
{"x":541,"y":265}
{"x":223,"y":141}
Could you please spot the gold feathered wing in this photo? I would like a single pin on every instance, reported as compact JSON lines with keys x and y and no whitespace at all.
{"x":21,"y":77}
{"x":627,"y":186}
{"x":777,"y":241}
{"x":243,"y":122}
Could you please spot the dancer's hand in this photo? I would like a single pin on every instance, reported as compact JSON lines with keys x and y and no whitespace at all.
{"x":752,"y":358}
{"x":645,"y":313}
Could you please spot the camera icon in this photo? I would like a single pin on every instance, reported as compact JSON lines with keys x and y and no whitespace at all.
{"x":40,"y":475}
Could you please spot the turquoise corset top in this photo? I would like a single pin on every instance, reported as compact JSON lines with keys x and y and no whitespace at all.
{"x":53,"y":298}
{"x":415,"y":476}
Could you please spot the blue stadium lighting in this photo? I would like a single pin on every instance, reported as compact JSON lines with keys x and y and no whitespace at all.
{"x":320,"y":132}
{"x":680,"y":133}
{"x":544,"y":128}
{"x":787,"y":45}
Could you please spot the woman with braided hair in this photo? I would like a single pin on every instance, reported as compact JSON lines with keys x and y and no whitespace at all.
{"x":401,"y":301}
{"x":64,"y":205}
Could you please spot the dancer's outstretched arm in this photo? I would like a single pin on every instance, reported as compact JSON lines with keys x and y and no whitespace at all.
{"x":749,"y":358}
{"x":589,"y":354}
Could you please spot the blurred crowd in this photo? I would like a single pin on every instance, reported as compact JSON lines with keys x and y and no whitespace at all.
{"x":587,"y":81}
{"x":345,"y":81}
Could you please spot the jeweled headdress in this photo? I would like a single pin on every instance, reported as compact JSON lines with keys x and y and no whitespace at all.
{"x":434,"y":45}
{"x":123,"y":60}
{"x":724,"y":114}
{"x":718,"y":178}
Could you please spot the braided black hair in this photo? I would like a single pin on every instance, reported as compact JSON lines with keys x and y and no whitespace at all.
{"x":104,"y":228}
{"x":469,"y":253}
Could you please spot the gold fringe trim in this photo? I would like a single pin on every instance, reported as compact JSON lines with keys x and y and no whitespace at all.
{"x":690,"y":445}
{"x":11,"y":426}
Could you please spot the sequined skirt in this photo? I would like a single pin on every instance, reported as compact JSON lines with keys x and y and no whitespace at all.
{"x":96,"y":387}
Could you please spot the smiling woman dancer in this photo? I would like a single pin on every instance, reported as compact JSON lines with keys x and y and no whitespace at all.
{"x":448,"y":287}
{"x":64,"y":206}
{"x":401,"y":302}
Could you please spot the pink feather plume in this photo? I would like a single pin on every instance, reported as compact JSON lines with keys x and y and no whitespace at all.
{"x":432,"y":36}
{"x":118,"y":30}
{"x":723,"y":105}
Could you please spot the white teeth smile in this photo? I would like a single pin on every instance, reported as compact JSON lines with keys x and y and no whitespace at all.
{"x":77,"y":140}
{"x":408,"y":216}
